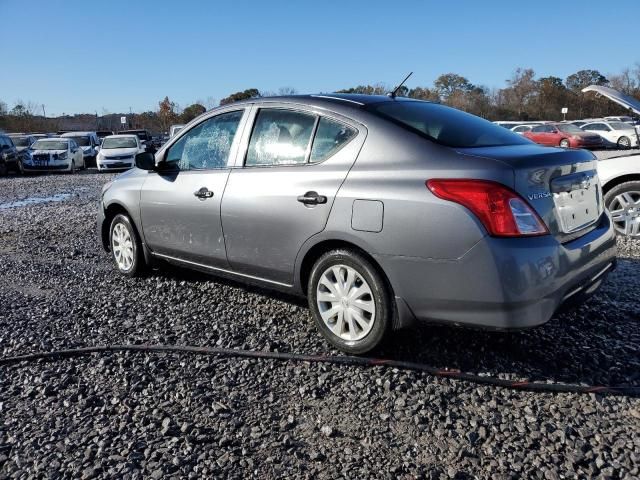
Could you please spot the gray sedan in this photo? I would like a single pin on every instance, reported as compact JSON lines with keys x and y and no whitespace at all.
{"x":380,"y":210}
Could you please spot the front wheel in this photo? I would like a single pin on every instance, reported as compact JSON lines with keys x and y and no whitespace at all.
{"x":623,"y":203}
{"x":72,"y":169}
{"x":624,"y":143}
{"x":350,"y":301}
{"x":564,"y":143}
{"x":126,"y":247}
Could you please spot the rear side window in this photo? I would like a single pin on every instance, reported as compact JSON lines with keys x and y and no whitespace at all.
{"x":280,"y":137}
{"x":330,"y":137}
{"x":446,"y":125}
{"x":207,"y":145}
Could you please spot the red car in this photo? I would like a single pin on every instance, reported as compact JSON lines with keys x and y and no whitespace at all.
{"x":563,"y":135}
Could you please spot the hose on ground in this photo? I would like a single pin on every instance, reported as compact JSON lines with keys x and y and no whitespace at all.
{"x":346,"y":360}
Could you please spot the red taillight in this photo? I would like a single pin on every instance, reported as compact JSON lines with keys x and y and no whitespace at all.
{"x":502,"y":211}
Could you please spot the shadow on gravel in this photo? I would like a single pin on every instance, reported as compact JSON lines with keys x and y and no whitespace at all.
{"x":597,"y":343}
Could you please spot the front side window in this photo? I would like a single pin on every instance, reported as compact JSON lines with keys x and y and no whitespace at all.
{"x":569,"y":128}
{"x":330,"y":137}
{"x":207,"y":145}
{"x":539,"y":129}
{"x":620,"y":126}
{"x":280,"y":137}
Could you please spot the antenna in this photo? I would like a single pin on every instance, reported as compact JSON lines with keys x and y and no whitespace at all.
{"x":395,"y":90}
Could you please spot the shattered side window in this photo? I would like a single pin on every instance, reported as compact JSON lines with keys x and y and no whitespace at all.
{"x":280,"y":137}
{"x":207,"y":145}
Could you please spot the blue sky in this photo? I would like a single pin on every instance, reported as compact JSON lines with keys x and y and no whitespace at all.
{"x":86,"y":56}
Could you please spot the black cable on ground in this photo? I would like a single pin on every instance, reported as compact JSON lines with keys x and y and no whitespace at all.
{"x":335,"y":360}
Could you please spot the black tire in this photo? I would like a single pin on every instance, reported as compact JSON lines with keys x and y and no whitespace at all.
{"x":72,"y":170}
{"x":4,"y":170}
{"x":138,"y":266}
{"x":626,"y":187}
{"x":624,"y":143}
{"x":382,"y":299}
{"x":564,"y":143}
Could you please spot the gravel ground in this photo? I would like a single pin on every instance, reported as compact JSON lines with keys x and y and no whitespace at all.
{"x":135,"y":415}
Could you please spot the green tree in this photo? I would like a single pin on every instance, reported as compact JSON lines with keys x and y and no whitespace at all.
{"x":191,"y":112}
{"x":244,"y":95}
{"x":377,"y":89}
{"x":423,"y":93}
{"x":450,"y":84}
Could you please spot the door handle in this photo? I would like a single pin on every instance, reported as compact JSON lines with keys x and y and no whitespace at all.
{"x":312,"y":198}
{"x":203,"y":193}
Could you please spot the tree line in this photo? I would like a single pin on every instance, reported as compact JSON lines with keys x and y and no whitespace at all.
{"x":525,"y":97}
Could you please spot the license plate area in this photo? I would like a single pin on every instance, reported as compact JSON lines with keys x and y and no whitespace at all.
{"x":577,"y":200}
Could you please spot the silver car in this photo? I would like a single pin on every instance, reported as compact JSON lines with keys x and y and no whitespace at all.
{"x":380,"y":210}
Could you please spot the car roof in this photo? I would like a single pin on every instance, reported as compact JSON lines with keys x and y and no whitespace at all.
{"x":122,"y":135}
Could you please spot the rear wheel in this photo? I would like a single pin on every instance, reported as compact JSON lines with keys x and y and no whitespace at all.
{"x":623,"y":203}
{"x":564,"y":143}
{"x":350,"y":301}
{"x":624,"y":142}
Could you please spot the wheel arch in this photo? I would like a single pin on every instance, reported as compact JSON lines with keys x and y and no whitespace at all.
{"x":109,"y":214}
{"x":614,"y":182}
{"x":402,"y":317}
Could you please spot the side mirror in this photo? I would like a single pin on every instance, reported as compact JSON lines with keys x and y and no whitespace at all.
{"x":146,"y":161}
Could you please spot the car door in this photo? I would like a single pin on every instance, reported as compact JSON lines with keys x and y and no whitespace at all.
{"x":180,"y":203}
{"x":281,"y":192}
{"x":537,"y":134}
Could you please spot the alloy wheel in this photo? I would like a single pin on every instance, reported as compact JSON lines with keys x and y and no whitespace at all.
{"x":624,"y":142}
{"x":345,"y":302}
{"x":122,"y":247}
{"x":625,"y":213}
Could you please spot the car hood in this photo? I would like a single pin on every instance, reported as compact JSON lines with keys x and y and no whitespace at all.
{"x":620,"y":98}
{"x":117,"y":152}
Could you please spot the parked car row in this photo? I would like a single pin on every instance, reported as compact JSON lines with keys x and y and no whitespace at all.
{"x":619,"y":132}
{"x":69,"y":151}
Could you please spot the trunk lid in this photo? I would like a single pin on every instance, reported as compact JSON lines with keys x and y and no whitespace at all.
{"x":561,"y":185}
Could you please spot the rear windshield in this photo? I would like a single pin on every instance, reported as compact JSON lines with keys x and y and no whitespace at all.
{"x":50,"y":145}
{"x":119,"y":142}
{"x":82,"y":141}
{"x":446,"y":125}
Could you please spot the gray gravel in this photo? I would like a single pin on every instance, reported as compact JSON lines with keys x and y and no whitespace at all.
{"x":134,"y":415}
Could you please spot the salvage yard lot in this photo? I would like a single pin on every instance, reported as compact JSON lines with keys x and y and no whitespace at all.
{"x":134,"y":415}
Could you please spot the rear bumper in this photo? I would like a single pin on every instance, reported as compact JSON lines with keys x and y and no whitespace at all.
{"x":504,"y":283}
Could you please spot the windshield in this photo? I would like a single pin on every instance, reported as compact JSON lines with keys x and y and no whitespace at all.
{"x":119,"y":142}
{"x":446,"y":125}
{"x":20,"y":141}
{"x":82,"y":141}
{"x":50,"y":145}
{"x":620,"y":126}
{"x":569,"y":128}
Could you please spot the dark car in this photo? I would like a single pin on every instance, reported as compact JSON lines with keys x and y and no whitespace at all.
{"x":103,"y":133}
{"x":9,"y":156}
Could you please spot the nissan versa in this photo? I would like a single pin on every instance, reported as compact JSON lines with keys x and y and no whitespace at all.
{"x":380,"y":210}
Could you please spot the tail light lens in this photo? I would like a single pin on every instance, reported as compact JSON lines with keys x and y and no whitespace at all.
{"x":502,"y":211}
